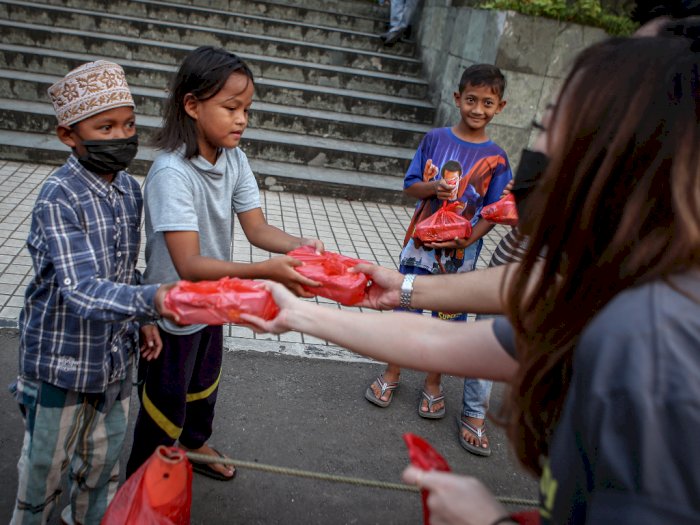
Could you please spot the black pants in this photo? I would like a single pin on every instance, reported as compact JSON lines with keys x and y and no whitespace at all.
{"x":178,"y":393}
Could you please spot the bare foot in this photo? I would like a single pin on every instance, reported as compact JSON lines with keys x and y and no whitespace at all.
{"x":225,"y":470}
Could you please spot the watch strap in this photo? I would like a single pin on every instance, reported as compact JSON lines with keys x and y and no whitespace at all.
{"x":406,"y":293}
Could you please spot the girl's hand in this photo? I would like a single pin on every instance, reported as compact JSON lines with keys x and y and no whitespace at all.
{"x":456,"y":500}
{"x":455,"y":243}
{"x":281,"y":269}
{"x":383,"y":294}
{"x":318,"y":245}
{"x":285,"y":300}
{"x":151,"y":343}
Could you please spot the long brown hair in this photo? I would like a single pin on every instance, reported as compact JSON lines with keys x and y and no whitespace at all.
{"x":620,"y":206}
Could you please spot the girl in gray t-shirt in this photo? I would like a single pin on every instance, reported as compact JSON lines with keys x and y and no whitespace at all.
{"x":191,"y":193}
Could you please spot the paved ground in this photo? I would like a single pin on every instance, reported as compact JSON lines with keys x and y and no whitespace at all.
{"x":293,"y":400}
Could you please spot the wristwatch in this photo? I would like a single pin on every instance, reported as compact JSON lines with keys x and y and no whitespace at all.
{"x":406,"y":293}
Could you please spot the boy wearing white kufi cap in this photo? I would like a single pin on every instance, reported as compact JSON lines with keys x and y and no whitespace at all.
{"x":78,"y":334}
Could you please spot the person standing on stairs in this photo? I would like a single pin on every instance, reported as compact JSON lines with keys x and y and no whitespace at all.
{"x":402,"y":12}
{"x":458,"y":163}
{"x":191,"y":193}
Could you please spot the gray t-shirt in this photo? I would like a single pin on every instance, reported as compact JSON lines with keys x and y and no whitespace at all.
{"x":193,"y":195}
{"x":626,"y":448}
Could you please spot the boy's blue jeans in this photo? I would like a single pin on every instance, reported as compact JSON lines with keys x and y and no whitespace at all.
{"x":477,"y":392}
{"x":401,"y":13}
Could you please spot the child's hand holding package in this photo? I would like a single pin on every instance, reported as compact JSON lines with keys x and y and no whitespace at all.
{"x":442,"y":226}
{"x":502,"y":211}
{"x":220,"y":302}
{"x":331,"y":270}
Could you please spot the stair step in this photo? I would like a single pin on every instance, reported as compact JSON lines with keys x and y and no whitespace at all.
{"x":358,"y":15}
{"x":315,"y":123}
{"x":274,"y":176}
{"x":266,"y":144}
{"x":148,"y":73}
{"x":334,"y":113}
{"x":32,"y":86}
{"x":24,"y":15}
{"x":363,"y":8}
{"x":326,"y":28}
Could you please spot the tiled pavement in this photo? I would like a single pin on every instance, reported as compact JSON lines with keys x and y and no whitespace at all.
{"x":366,"y":230}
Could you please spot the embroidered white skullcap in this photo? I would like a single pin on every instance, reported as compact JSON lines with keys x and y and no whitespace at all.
{"x":88,"y":90}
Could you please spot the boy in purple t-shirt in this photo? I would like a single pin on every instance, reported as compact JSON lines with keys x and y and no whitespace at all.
{"x":458,"y":163}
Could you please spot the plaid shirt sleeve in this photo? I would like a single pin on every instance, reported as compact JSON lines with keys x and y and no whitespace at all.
{"x":88,"y":293}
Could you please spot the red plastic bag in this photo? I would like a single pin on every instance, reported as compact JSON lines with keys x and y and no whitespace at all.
{"x":220,"y":302}
{"x":331,"y":270}
{"x":502,"y":211}
{"x":527,"y":517}
{"x":158,"y":493}
{"x":443,"y":225}
{"x":424,"y":457}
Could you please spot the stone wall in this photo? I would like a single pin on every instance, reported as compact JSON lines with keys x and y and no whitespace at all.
{"x":533,"y":53}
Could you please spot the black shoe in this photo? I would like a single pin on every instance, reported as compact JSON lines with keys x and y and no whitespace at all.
{"x":393,"y":36}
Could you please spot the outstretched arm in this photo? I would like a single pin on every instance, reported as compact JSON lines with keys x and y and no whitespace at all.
{"x":477,"y":292}
{"x":267,"y":237}
{"x":405,"y":339}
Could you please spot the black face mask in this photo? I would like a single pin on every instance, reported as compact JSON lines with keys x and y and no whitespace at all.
{"x":109,"y":156}
{"x":531,"y":167}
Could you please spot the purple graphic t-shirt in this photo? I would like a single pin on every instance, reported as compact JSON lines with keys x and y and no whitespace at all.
{"x":480,"y":172}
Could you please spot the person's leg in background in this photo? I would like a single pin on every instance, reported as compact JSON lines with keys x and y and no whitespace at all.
{"x":381,"y":391}
{"x":472,"y":427}
{"x":475,"y":405}
{"x":402,"y":12}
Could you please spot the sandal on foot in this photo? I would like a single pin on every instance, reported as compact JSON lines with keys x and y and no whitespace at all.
{"x":432,"y":400}
{"x":384,"y":387}
{"x":206,"y":469}
{"x":479,"y":433}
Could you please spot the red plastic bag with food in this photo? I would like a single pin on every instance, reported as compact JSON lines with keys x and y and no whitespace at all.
{"x":220,"y":302}
{"x":158,"y":493}
{"x":502,"y":211}
{"x":443,"y":225}
{"x":331,"y":270}
{"x":424,"y":457}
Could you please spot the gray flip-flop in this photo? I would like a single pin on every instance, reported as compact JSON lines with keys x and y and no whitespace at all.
{"x":431,"y":401}
{"x":479,"y":433}
{"x":383,"y":387}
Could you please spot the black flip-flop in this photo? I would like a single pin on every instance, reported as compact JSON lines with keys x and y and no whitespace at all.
{"x":205,"y":469}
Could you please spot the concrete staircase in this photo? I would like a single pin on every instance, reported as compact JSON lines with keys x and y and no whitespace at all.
{"x":335,"y":113}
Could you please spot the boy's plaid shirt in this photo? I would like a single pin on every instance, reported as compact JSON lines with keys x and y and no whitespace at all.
{"x":77,"y":328}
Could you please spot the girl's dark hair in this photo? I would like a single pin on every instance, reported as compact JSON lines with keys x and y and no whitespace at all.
{"x":483,"y":75}
{"x":202,"y":74}
{"x":619,"y":206}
